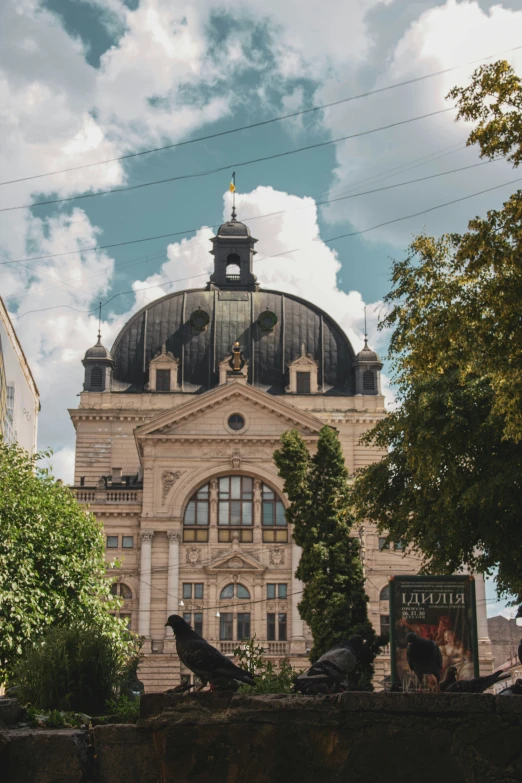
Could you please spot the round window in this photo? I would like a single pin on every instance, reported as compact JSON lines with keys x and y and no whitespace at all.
{"x":236,"y":421}
{"x":267,"y":320}
{"x":199,"y":319}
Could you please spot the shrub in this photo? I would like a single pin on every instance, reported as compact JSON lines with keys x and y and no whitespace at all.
{"x":72,"y":668}
{"x":249,"y":656}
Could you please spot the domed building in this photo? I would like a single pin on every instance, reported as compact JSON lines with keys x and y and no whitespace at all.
{"x":176,"y":429}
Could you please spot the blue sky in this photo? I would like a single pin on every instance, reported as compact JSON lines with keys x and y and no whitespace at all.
{"x":83,"y":81}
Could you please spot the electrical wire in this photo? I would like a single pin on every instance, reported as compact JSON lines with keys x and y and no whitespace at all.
{"x":316,"y":203}
{"x":285,"y":252}
{"x":226,"y":167}
{"x":261,"y":123}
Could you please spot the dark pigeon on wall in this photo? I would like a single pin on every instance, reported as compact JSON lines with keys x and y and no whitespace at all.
{"x":478,"y":684}
{"x":205,"y":661}
{"x":330,"y":673}
{"x":424,"y":656}
{"x":451,"y":677}
{"x":512,"y":690}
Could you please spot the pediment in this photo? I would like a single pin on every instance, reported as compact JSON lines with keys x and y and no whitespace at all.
{"x":205,"y":416}
{"x":235,"y":561}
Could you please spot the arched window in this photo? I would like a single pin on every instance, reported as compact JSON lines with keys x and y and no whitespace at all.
{"x":275,"y":529}
{"x":197,"y":515}
{"x":233,"y":267}
{"x":96,"y":378}
{"x":237,"y":591}
{"x":235,"y":512}
{"x":122,"y":590}
{"x":384,"y":595}
{"x":368,"y":381}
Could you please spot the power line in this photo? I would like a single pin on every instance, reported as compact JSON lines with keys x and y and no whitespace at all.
{"x":254,"y":217}
{"x":286,"y":252}
{"x":261,"y":122}
{"x":226,"y":167}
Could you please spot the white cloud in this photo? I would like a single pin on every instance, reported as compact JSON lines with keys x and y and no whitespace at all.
{"x":442,"y":37}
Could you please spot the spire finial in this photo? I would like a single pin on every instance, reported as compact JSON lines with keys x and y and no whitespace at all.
{"x":233,"y":189}
{"x":365,"y":332}
{"x":99,"y":324}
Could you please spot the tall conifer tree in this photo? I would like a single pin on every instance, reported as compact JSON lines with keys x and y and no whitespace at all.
{"x":333,"y":603}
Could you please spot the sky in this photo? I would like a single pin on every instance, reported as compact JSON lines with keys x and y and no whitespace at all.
{"x":89,"y":81}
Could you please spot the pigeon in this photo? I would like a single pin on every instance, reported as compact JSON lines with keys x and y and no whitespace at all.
{"x":424,"y":656}
{"x":512,"y":690}
{"x":478,"y":685}
{"x":520,"y":651}
{"x":328,"y":674}
{"x":203,"y":660}
{"x":451,"y":677}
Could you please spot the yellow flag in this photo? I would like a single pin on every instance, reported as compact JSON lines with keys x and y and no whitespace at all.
{"x":232,"y":187}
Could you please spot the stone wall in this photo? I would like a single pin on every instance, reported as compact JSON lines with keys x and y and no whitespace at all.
{"x":220,"y":738}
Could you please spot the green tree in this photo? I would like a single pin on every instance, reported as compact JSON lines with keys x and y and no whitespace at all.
{"x":450,"y":484}
{"x":52,"y":563}
{"x":333,"y":603}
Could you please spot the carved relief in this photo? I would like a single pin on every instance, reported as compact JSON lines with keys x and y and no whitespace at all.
{"x":148,"y":535}
{"x":174,"y":535}
{"x":168,"y":479}
{"x":193,"y":555}
{"x":236,"y":459}
{"x":277,"y":556}
{"x":213,"y":485}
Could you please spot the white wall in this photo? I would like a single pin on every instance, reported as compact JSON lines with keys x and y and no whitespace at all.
{"x":19,"y":421}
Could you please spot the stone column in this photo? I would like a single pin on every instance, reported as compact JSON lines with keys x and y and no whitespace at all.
{"x":174,"y":537}
{"x":213,"y":504}
{"x":210,"y":619}
{"x":484,"y":642}
{"x":258,"y":534}
{"x":297,"y":640}
{"x":257,"y":617}
{"x":145,"y":584}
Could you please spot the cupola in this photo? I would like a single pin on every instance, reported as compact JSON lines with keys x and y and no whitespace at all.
{"x":233,"y":251}
{"x":98,"y":365}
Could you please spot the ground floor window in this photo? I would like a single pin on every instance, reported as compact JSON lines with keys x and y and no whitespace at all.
{"x":276,"y":626}
{"x":226,"y":626}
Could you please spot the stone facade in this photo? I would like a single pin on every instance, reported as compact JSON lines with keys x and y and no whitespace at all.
{"x":182,"y":475}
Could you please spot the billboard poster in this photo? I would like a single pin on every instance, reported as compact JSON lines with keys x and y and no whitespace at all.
{"x":440,"y":608}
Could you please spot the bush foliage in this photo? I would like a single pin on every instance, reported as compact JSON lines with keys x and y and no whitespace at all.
{"x":73,"y":669}
{"x":52,"y":561}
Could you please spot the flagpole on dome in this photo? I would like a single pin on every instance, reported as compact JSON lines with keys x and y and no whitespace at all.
{"x":233,"y":191}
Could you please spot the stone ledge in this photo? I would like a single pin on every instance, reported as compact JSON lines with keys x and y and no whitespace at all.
{"x":153,"y":704}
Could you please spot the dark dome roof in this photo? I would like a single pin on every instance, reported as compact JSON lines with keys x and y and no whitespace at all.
{"x":98,"y":351}
{"x":367,"y":355}
{"x":233,"y":228}
{"x":268,"y":344}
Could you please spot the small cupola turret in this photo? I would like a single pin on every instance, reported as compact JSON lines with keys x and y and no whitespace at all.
{"x":98,"y":365}
{"x":233,"y":251}
{"x":368,"y":368}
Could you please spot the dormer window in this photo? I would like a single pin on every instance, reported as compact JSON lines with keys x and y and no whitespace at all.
{"x":302,"y":382}
{"x":163,"y":372}
{"x":163,"y":380}
{"x":303,"y":374}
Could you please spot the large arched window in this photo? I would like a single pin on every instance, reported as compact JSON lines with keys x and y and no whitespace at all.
{"x":233,"y":268}
{"x":234,"y":510}
{"x":384,"y":595}
{"x":273,"y":517}
{"x":237,"y":591}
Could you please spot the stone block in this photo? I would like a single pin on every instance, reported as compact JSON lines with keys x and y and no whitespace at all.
{"x":124,"y":754}
{"x":10,"y":711}
{"x":44,"y":756}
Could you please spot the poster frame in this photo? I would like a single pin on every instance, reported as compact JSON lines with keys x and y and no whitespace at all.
{"x":459,"y":578}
